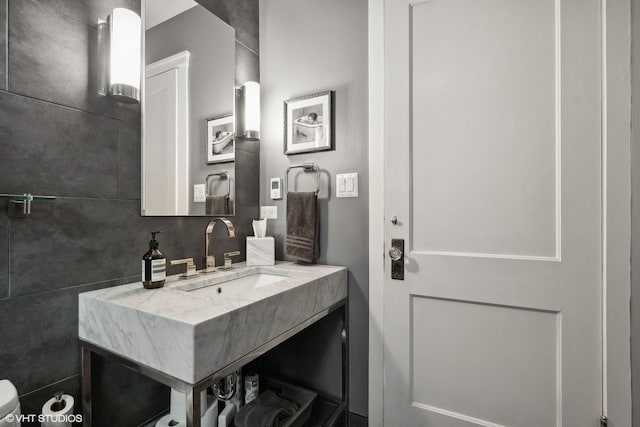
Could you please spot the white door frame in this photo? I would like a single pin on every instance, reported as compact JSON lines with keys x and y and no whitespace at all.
{"x":616,"y":210}
{"x":179,"y":62}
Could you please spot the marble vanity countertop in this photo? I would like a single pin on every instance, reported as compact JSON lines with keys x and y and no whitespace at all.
{"x":190,"y":335}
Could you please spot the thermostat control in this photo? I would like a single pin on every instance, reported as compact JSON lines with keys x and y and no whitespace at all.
{"x":276,"y":188}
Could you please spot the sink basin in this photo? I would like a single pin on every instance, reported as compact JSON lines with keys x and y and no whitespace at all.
{"x":191,"y":328}
{"x":239,"y":285}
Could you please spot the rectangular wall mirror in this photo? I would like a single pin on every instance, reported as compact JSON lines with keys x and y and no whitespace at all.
{"x":188,"y":136}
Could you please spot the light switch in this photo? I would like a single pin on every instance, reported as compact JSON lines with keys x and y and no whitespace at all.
{"x":347,"y":185}
{"x":199,"y":195}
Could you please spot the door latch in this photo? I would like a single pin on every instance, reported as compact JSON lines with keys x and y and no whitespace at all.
{"x":604,"y":421}
{"x":396,"y":253}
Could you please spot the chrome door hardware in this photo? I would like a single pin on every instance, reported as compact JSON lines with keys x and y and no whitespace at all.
{"x":394,"y":220}
{"x":396,"y":253}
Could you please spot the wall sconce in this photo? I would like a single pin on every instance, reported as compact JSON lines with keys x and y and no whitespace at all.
{"x":119,"y":47}
{"x":249,"y":111}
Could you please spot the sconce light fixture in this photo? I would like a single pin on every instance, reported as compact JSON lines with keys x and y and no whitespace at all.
{"x":120,"y":47}
{"x":249,"y":111}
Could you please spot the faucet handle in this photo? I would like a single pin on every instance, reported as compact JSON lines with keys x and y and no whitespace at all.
{"x":209,"y":264}
{"x":227,"y":259}
{"x":191,"y":267}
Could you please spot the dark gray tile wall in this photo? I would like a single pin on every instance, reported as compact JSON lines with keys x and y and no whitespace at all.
{"x":58,"y":137}
{"x":60,"y":55}
{"x":357,"y":420}
{"x":129,"y":154}
{"x":247,"y":65}
{"x":3,"y":44}
{"x":66,"y":152}
{"x":4,"y":252}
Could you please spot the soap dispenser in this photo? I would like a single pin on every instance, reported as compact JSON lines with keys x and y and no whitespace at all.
{"x":154,"y":265}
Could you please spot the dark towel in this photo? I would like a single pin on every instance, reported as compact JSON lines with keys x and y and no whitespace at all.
{"x":217,"y":205}
{"x":266,"y":410}
{"x":303,"y":225}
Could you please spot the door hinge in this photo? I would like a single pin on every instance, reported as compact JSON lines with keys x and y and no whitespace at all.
{"x":604,"y":421}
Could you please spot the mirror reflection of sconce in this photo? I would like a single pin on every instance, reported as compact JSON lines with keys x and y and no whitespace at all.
{"x":249,"y":111}
{"x":119,"y":47}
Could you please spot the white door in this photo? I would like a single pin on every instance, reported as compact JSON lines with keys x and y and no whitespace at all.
{"x":493,"y":169}
{"x":165,"y":144}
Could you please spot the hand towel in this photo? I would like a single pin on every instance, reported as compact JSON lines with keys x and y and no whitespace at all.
{"x":267,"y":410}
{"x":217,"y":205}
{"x":303,"y":226}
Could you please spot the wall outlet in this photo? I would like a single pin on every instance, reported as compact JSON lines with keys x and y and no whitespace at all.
{"x":198,"y":193}
{"x":269,"y":212}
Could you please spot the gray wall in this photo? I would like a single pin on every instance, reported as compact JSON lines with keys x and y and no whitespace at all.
{"x":635,"y":212}
{"x":307,"y":47}
{"x":58,"y":137}
{"x":211,"y":43}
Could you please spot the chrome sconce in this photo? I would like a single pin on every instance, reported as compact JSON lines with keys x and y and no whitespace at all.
{"x":119,"y":50}
{"x":248,"y":118}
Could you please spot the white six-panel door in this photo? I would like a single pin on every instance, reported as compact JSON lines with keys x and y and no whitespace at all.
{"x":493,"y":169}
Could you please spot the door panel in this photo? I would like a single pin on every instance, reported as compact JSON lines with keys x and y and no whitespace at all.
{"x":469,"y":358}
{"x":161,"y":127}
{"x":484,"y":121}
{"x":495,"y":106}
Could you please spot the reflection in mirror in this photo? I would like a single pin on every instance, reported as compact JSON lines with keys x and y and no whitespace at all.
{"x":188,"y":146}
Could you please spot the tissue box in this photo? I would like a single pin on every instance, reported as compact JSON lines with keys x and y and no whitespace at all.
{"x":261,"y":250}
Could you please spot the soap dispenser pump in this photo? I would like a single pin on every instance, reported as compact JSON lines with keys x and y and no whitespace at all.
{"x":154,"y":265}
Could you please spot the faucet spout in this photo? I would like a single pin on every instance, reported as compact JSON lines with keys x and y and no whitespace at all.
{"x":210,"y":261}
{"x":228,"y":224}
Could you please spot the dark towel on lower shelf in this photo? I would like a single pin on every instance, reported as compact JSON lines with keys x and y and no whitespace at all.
{"x":303,"y":224}
{"x":217,"y":205}
{"x":267,"y":410}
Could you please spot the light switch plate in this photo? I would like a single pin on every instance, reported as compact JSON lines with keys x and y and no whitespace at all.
{"x":347,"y":184}
{"x":198,"y":193}
{"x":269,"y":212}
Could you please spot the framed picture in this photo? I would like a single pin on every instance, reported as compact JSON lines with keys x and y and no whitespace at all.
{"x":308,"y":123}
{"x":221,"y":139}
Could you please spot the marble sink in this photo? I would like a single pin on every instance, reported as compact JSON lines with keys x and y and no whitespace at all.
{"x":234,"y":286}
{"x":191,"y":328}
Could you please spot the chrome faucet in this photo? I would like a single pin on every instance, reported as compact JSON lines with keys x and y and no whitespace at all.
{"x":210,"y":261}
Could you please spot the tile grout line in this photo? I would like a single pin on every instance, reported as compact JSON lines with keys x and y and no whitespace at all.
{"x":151,"y":419}
{"x":57,"y":104}
{"x":118,"y":161}
{"x":6,"y":46}
{"x":48,"y":385}
{"x":248,"y":48}
{"x":8,"y":255}
{"x":46,"y":291}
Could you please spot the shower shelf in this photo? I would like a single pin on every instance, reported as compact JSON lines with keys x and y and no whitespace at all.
{"x":20,"y":204}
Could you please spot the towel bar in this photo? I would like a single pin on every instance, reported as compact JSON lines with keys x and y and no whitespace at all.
{"x":223,"y":174}
{"x":308,"y":167}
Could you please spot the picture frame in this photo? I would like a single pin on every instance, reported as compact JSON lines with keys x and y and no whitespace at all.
{"x":221,"y":139}
{"x":308,"y":123}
